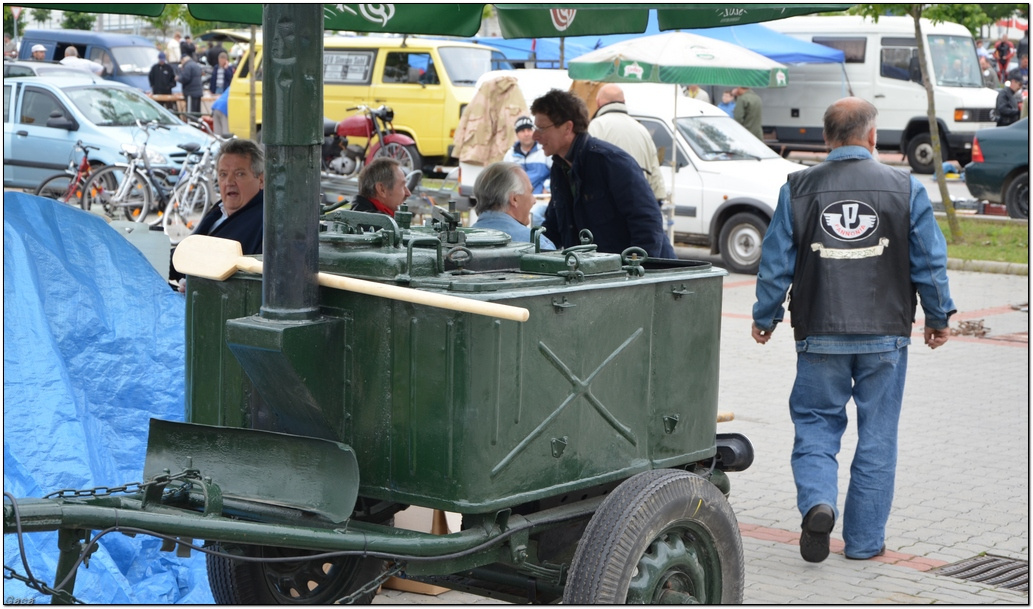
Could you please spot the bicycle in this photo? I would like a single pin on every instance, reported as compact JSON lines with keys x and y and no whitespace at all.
{"x":193,"y":193}
{"x":129,"y":187}
{"x":68,"y":187}
{"x":195,"y":190}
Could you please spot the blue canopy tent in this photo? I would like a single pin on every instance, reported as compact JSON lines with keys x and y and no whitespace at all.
{"x":773,"y":45}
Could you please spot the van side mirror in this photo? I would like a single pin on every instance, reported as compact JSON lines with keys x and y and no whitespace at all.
{"x":58,"y":120}
{"x":914,"y":70}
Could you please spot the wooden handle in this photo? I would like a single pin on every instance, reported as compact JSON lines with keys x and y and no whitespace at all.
{"x":394,"y":292}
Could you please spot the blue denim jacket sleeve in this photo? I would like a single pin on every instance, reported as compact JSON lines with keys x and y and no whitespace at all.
{"x":929,"y":260}
{"x":777,"y":265}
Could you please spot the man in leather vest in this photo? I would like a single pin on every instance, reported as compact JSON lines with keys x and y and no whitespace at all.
{"x":856,"y":240}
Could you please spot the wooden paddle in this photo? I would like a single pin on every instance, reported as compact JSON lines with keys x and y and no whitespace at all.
{"x":214,"y":258}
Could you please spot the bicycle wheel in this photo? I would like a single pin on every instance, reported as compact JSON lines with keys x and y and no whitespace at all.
{"x":60,"y":188}
{"x":195,"y":196}
{"x":109,"y":189}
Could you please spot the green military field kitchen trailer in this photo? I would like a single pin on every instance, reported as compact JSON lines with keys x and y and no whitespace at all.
{"x":563,"y":403}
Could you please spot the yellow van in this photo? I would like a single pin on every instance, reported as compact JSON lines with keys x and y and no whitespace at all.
{"x":427,"y":82}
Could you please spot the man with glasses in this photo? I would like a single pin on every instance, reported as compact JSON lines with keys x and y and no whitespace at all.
{"x":594,"y":184}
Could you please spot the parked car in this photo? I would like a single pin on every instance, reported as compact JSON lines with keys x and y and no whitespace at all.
{"x":38,"y":68}
{"x":44,"y":116}
{"x":727,"y":181}
{"x":999,"y":171}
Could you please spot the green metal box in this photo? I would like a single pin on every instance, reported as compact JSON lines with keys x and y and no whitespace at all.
{"x":614,"y":373}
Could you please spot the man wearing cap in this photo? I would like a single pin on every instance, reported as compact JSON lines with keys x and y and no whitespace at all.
{"x":529,"y":155}
{"x":162,"y":78}
{"x":39,"y":52}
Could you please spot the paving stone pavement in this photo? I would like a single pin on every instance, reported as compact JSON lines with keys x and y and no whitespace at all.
{"x":962,"y":485}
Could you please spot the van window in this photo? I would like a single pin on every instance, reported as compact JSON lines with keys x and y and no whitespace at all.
{"x":464,"y":66}
{"x":853,"y":48}
{"x":7,"y":103}
{"x":410,"y":68}
{"x":134,"y":59}
{"x":894,"y":63}
{"x":37,"y":106}
{"x":103,"y":58}
{"x":662,"y":140}
{"x":954,"y":61}
{"x":345,"y":67}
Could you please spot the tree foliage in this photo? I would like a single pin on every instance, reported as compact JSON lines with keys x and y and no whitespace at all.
{"x":41,"y":15}
{"x":78,"y":21}
{"x":972,"y":16}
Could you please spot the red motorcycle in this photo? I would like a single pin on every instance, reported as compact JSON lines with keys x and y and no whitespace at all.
{"x":342,"y":158}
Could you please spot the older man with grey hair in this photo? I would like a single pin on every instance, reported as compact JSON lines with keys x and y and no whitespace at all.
{"x":858,"y":244}
{"x":382,"y":188}
{"x":504,"y":201}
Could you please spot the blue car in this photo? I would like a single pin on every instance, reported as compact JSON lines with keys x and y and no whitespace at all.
{"x":45,"y":116}
{"x":999,"y":171}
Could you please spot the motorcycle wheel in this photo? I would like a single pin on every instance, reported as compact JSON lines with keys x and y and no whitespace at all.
{"x":407,"y":156}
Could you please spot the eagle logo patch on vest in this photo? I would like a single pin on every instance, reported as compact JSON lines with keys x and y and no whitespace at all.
{"x":849,"y":220}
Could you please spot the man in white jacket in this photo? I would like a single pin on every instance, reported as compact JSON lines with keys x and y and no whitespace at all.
{"x":613,"y":124}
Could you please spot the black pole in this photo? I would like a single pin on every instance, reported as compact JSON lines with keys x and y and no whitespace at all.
{"x":292,"y":111}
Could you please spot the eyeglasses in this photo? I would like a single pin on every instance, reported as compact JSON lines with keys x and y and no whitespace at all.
{"x":538,"y":129}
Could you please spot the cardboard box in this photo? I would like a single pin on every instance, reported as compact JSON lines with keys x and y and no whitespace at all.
{"x":428,"y":521}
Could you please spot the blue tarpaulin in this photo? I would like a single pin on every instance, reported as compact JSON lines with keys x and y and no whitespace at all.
{"x":93,"y":349}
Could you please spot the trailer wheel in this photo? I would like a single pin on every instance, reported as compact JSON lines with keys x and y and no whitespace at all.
{"x":663,"y":536}
{"x":740,"y":242}
{"x":309,"y":582}
{"x":920,"y":153}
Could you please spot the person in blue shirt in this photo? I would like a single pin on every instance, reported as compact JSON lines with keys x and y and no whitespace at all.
{"x":728,"y":102}
{"x":528,"y":154}
{"x":504,"y":201}
{"x":858,"y":243}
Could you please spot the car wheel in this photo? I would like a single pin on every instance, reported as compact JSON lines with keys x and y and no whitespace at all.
{"x":1016,"y":196}
{"x":740,"y":242}
{"x":920,"y":153}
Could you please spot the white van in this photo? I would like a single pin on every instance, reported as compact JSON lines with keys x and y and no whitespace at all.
{"x":882,"y":67}
{"x":727,"y":181}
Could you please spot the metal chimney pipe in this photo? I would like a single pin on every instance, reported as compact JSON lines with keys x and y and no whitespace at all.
{"x":292,"y":111}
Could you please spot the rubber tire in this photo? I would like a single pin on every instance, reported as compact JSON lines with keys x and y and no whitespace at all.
{"x":104,"y":183}
{"x":740,"y":242}
{"x":407,"y":156}
{"x":653,"y":517}
{"x":251,"y":583}
{"x":56,"y":187}
{"x":1016,"y":196}
{"x":920,"y":153}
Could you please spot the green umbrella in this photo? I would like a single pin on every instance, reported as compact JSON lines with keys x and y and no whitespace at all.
{"x":515,"y":20}
{"x":678,"y":58}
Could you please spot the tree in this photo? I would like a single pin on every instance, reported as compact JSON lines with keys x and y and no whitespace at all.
{"x":77,"y":21}
{"x":915,"y":11}
{"x":172,"y":14}
{"x":41,"y":15}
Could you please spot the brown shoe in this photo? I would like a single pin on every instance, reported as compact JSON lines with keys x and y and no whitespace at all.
{"x":814,"y":539}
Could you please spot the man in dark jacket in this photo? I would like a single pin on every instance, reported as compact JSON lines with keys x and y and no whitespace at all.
{"x":594,"y":184}
{"x":240,"y":171}
{"x":213,"y":52}
{"x":190,"y":80}
{"x":1008,"y":102}
{"x":161,"y":77}
{"x":187,"y":47}
{"x":222,"y":74}
{"x":382,"y":187}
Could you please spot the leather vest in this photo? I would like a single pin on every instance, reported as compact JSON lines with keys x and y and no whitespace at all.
{"x":851,"y":222}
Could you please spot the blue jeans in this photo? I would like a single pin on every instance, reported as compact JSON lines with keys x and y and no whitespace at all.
{"x":825,"y":382}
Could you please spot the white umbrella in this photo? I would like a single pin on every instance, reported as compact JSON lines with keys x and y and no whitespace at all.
{"x":678,"y":58}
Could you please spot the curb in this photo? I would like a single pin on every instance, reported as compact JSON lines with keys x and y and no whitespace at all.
{"x":988,"y":266}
